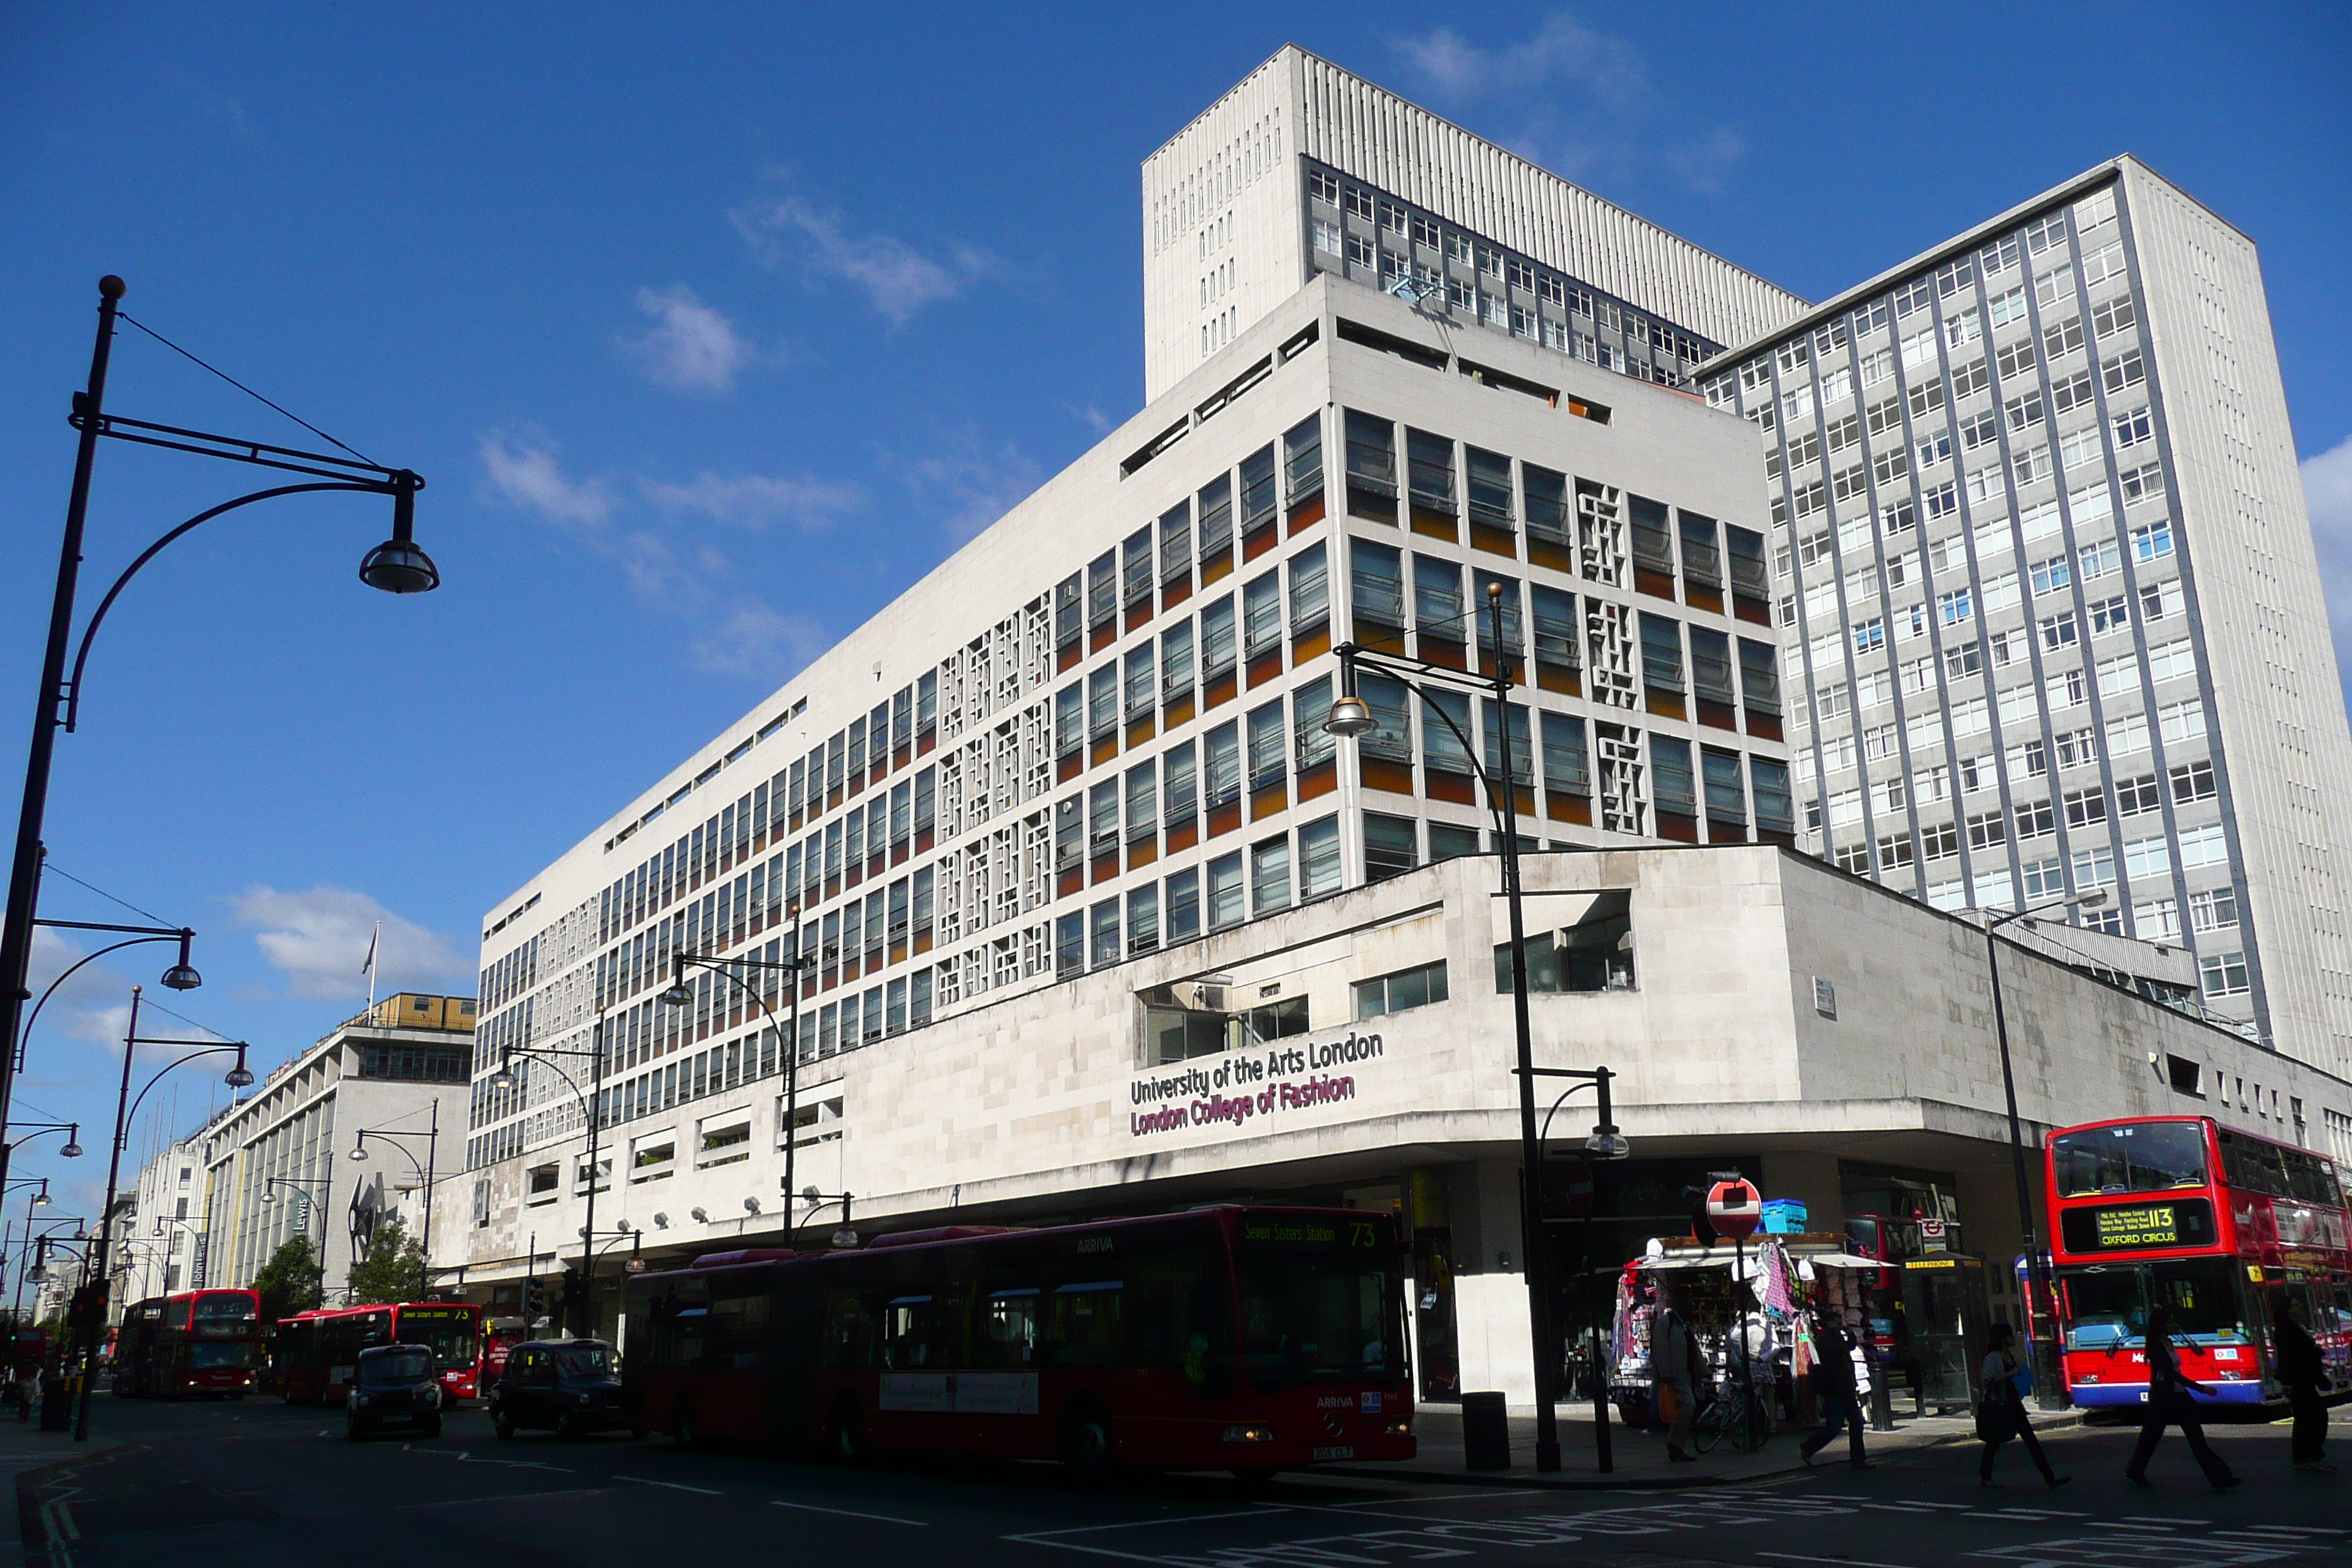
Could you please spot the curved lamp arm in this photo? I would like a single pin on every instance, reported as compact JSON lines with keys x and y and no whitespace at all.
{"x":82,"y":656}
{"x":30,"y":1018}
{"x":238,"y":1046}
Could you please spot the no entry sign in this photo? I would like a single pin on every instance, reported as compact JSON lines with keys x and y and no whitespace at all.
{"x":1735,"y":1208}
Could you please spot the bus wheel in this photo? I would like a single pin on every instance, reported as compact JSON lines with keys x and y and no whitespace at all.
{"x":848,"y":1432}
{"x":1086,"y":1440}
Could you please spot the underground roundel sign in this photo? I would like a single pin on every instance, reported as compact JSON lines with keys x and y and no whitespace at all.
{"x":1735,"y":1209}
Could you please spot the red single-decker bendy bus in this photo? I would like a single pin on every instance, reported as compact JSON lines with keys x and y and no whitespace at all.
{"x":1241,"y":1338}
{"x":198,"y":1342}
{"x":316,"y":1351}
{"x":2217,"y":1226}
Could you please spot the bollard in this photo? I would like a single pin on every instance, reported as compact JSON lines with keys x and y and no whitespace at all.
{"x":1486,"y":1433}
{"x":1882,"y":1402}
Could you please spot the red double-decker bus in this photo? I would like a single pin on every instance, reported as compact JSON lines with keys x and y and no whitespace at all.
{"x":316,"y":1350}
{"x":196,"y":1343}
{"x":1241,"y":1338}
{"x":2216,"y":1224}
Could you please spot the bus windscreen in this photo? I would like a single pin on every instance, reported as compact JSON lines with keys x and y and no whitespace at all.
{"x":2136,"y":1157}
{"x":447,"y":1331}
{"x":1316,"y":1306}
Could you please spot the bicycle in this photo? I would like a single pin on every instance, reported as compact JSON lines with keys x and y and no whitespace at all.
{"x":1719,"y":1415}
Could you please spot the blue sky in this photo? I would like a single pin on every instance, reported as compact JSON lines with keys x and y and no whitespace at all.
{"x":712,"y":327}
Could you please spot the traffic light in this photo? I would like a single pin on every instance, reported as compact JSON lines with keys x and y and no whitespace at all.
{"x":534,"y":1301}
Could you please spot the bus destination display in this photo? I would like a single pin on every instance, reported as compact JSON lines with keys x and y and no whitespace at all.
{"x":2138,"y":1227}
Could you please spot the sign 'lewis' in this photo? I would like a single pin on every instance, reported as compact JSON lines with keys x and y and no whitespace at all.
{"x":1233,"y":1089}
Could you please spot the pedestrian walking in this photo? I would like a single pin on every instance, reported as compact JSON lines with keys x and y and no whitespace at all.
{"x":1836,"y":1388}
{"x":2169,"y":1404}
{"x":2000,"y":1413}
{"x":2305,"y":1371}
{"x":1674,"y":1374}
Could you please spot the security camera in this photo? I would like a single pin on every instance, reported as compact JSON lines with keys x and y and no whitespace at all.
{"x":661,"y":1221}
{"x":700,"y":1217}
{"x":751,"y":1205}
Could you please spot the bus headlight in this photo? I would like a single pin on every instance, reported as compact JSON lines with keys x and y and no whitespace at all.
{"x":1247,"y":1434}
{"x":1400,"y":1429}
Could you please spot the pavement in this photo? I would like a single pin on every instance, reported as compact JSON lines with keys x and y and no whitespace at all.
{"x":1638,"y":1457}
{"x":259,"y":1485}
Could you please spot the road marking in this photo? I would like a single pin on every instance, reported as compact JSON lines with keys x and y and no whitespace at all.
{"x":1151,"y":1523}
{"x":564,"y":1495}
{"x":850,"y":1513}
{"x":674,"y":1486}
{"x":1830,"y":1557}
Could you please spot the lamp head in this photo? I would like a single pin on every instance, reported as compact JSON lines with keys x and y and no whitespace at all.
{"x":397,"y":565}
{"x":1607,"y":1144}
{"x":678,"y":995}
{"x":2090,"y":901}
{"x":239,"y":1075}
{"x":268,"y":1195}
{"x":1350,"y":716}
{"x":359,"y":1151}
{"x":661,"y":1220}
{"x":41,"y":1198}
{"x":503,"y":1080}
{"x":182,"y":975}
{"x":72,"y":1150}
{"x":751,"y":1205}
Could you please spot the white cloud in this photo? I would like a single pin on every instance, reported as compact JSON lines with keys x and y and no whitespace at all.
{"x":2328,"y":492}
{"x":751,"y":639}
{"x":525,"y":473}
{"x":978,"y":485}
{"x":318,"y":938}
{"x":1575,"y":99}
{"x":690,"y":347}
{"x":689,"y":578}
{"x":755,"y":501}
{"x":1562,"y":52}
{"x":897,"y":279}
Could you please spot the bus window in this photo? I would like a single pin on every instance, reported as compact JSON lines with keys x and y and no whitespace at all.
{"x":909,"y":1333}
{"x":2144,"y":1157}
{"x":849,"y":1333}
{"x":1315,"y":1319}
{"x":738,"y":1332}
{"x":2104,"y":1309}
{"x":678,"y":1337}
{"x":1009,"y":1331}
{"x":2203,"y":1295}
{"x":1084,"y":1325}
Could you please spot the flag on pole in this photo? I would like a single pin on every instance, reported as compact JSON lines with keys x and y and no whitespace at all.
{"x":368,"y":966}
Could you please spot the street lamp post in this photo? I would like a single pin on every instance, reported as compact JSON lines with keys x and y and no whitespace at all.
{"x":39,"y":1199}
{"x":792,"y":968}
{"x":125,"y":1108}
{"x":394,"y":566}
{"x":1351,"y":716}
{"x":590,"y":1111}
{"x":1605,"y":1142}
{"x":2036,"y":1267}
{"x":425,"y":1172}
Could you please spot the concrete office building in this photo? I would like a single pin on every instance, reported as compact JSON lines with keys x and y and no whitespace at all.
{"x":276,"y":1165}
{"x":1304,"y":168}
{"x":2042,"y":565}
{"x":1063,"y":843}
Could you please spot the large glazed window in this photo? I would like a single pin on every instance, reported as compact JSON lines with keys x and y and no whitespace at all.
{"x":2133,"y":1157}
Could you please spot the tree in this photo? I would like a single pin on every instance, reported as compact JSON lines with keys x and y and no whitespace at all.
{"x":394,"y":1269}
{"x":290,"y":1282}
